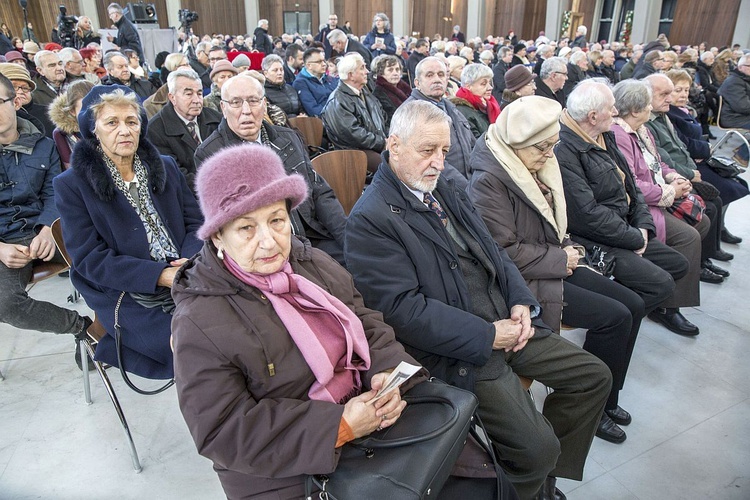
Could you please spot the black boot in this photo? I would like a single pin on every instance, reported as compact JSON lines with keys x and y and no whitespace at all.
{"x":674,"y":321}
{"x":549,"y":491}
{"x":81,"y":335}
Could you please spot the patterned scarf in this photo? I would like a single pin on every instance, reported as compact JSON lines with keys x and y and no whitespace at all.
{"x":160,"y":244}
{"x":328,"y":334}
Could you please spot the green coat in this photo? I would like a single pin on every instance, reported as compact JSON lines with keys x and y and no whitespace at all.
{"x":672,"y":150}
{"x":478,"y":121}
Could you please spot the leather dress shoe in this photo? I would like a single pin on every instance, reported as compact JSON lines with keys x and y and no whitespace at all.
{"x":728,"y":237}
{"x":722,"y":255}
{"x":549,"y":491}
{"x":608,"y":430}
{"x":708,"y":276}
{"x":674,"y":321}
{"x":620,"y":416}
{"x":715,"y":269}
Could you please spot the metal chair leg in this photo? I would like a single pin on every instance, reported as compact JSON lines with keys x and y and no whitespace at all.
{"x":115,"y":402}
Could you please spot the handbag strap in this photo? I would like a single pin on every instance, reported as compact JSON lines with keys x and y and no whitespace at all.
{"x":118,"y":344}
{"x":474,"y":431}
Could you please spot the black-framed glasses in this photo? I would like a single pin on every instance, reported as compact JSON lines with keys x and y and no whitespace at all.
{"x":546,"y":149}
{"x":22,"y":90}
{"x":238,"y":102}
{"x":3,"y":101}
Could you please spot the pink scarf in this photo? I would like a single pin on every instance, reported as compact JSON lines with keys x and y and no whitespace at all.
{"x":325,"y":330}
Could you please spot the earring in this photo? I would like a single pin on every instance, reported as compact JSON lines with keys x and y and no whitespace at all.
{"x":220,"y":253}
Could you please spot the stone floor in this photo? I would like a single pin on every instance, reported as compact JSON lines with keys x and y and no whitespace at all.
{"x":689,"y":397}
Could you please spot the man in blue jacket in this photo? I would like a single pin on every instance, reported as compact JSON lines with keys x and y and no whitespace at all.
{"x":27,"y":210}
{"x":420,"y":253}
{"x":312,"y":83}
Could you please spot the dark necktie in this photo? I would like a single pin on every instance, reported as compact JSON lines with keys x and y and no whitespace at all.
{"x":191,"y":129}
{"x":433,"y":205}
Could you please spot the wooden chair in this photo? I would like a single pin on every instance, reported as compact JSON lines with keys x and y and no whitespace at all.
{"x":729,"y":131}
{"x":87,"y":347}
{"x":41,"y":270}
{"x":311,"y":128}
{"x":346,"y":171}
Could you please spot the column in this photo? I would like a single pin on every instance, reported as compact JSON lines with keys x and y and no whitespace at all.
{"x":401,"y":20}
{"x":325,"y":9}
{"x":742,"y":28}
{"x":173,"y":13}
{"x":555,"y":10}
{"x":475,"y":14}
{"x":252,"y":16}
{"x":88,"y":8}
{"x":645,"y":21}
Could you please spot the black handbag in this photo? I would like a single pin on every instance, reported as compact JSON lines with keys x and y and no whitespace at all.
{"x":413,"y":458}
{"x":724,"y":166}
{"x":597,"y":260}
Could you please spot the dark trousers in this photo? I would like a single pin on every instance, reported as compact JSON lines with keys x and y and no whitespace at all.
{"x":612,"y":314}
{"x":712,"y":242}
{"x":686,"y":239}
{"x":21,"y":311}
{"x":532,"y":445}
{"x":651,"y":276}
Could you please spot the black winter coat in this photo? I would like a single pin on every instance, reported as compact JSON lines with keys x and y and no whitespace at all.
{"x":598,"y":208}
{"x":575,"y":75}
{"x":405,"y":265}
{"x":171,"y":137}
{"x":261,"y":41}
{"x":735,"y":91}
{"x":320,"y":216}
{"x":142,"y":88}
{"x":285,"y":97}
{"x":127,"y":37}
{"x":706,"y":77}
{"x":498,"y":79}
{"x":351,"y":123}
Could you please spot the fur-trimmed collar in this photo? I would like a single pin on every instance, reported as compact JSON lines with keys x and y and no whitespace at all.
{"x":61,"y":117}
{"x":88,"y":163}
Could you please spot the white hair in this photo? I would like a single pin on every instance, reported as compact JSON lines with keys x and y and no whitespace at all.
{"x":551,"y":65}
{"x":336,"y":36}
{"x":262,"y":22}
{"x":582,"y":29}
{"x":413,"y":116}
{"x":39,"y":55}
{"x":578,"y":57}
{"x":474,"y":72}
{"x":66,"y":54}
{"x":181,"y":73}
{"x":348,"y":64}
{"x":589,"y":95}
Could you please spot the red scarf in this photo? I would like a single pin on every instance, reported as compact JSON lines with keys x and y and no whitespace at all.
{"x":490,"y":107}
{"x":328,"y":334}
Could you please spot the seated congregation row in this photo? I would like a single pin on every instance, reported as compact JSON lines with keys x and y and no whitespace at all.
{"x":469,"y":312}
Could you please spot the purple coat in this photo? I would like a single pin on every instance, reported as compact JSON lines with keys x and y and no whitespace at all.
{"x":644,"y":179}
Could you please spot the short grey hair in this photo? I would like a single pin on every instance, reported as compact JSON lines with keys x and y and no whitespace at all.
{"x":552,"y":65}
{"x":117,"y":98}
{"x":582,"y":29}
{"x":336,"y":36}
{"x":244,"y":77}
{"x":66,"y":54}
{"x":107,"y":60}
{"x":486,"y":55}
{"x":386,"y":21}
{"x":631,"y":96}
{"x":589,"y":95}
{"x":743,"y":60}
{"x":420,"y":64}
{"x":578,"y":57}
{"x":504,"y":52}
{"x":269,"y":60}
{"x":474,"y":72}
{"x":545,"y":50}
{"x":39,"y":55}
{"x":704,"y":56}
{"x":413,"y":116}
{"x":348,"y":64}
{"x":114,"y":7}
{"x":181,"y":73}
{"x":203,"y":47}
{"x":262,"y":22}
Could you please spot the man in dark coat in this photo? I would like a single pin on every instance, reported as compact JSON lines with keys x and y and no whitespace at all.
{"x":580,"y":39}
{"x":261,"y":40}
{"x":652,"y":63}
{"x":353,"y":117}
{"x":551,"y":80}
{"x":127,"y":36}
{"x":519,"y":52}
{"x":118,"y":73}
{"x":320,"y":217}
{"x":178,"y":129}
{"x":50,"y":79}
{"x":342,"y":44}
{"x":200,"y":64}
{"x":294,"y":61}
{"x":431,"y":79}
{"x":421,"y":49}
{"x":605,"y":207}
{"x":735,"y":91}
{"x":504,"y":57}
{"x":607,"y":67}
{"x":420,"y":253}
{"x":27,"y":210}
{"x":322,"y":37}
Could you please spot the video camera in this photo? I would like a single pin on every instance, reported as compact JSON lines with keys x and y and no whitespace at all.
{"x":66,"y":28}
{"x":187,"y":17}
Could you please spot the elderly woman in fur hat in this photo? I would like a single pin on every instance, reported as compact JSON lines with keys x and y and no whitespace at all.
{"x":275,"y":352}
{"x":129,"y":221}
{"x":63,"y":112}
{"x":517,"y":187}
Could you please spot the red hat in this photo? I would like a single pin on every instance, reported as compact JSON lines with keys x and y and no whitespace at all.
{"x":53,"y":47}
{"x":87,"y":53}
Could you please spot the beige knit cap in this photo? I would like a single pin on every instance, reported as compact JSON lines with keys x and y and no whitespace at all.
{"x":529,"y":120}
{"x":14,"y":71}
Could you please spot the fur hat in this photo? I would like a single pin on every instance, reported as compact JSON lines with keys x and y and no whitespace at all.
{"x":220,"y":66}
{"x":517,"y":76}
{"x":240,"y":179}
{"x":529,"y":120}
{"x":86,"y":118}
{"x":13,"y":71}
{"x":13,"y":55}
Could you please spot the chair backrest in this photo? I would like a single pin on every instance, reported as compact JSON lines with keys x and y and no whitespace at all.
{"x":311,"y":128}
{"x":59,"y":243}
{"x":718,"y":113}
{"x":346,"y":171}
{"x":41,"y":270}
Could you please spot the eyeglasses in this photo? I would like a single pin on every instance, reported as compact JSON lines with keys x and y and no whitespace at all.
{"x":215,"y":59}
{"x":546,"y":149}
{"x":561,"y":73}
{"x":22,"y":90}
{"x":3,"y":101}
{"x":315,"y":62}
{"x":238,"y":102}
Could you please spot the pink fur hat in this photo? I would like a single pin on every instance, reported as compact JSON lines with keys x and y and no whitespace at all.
{"x":240,"y":179}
